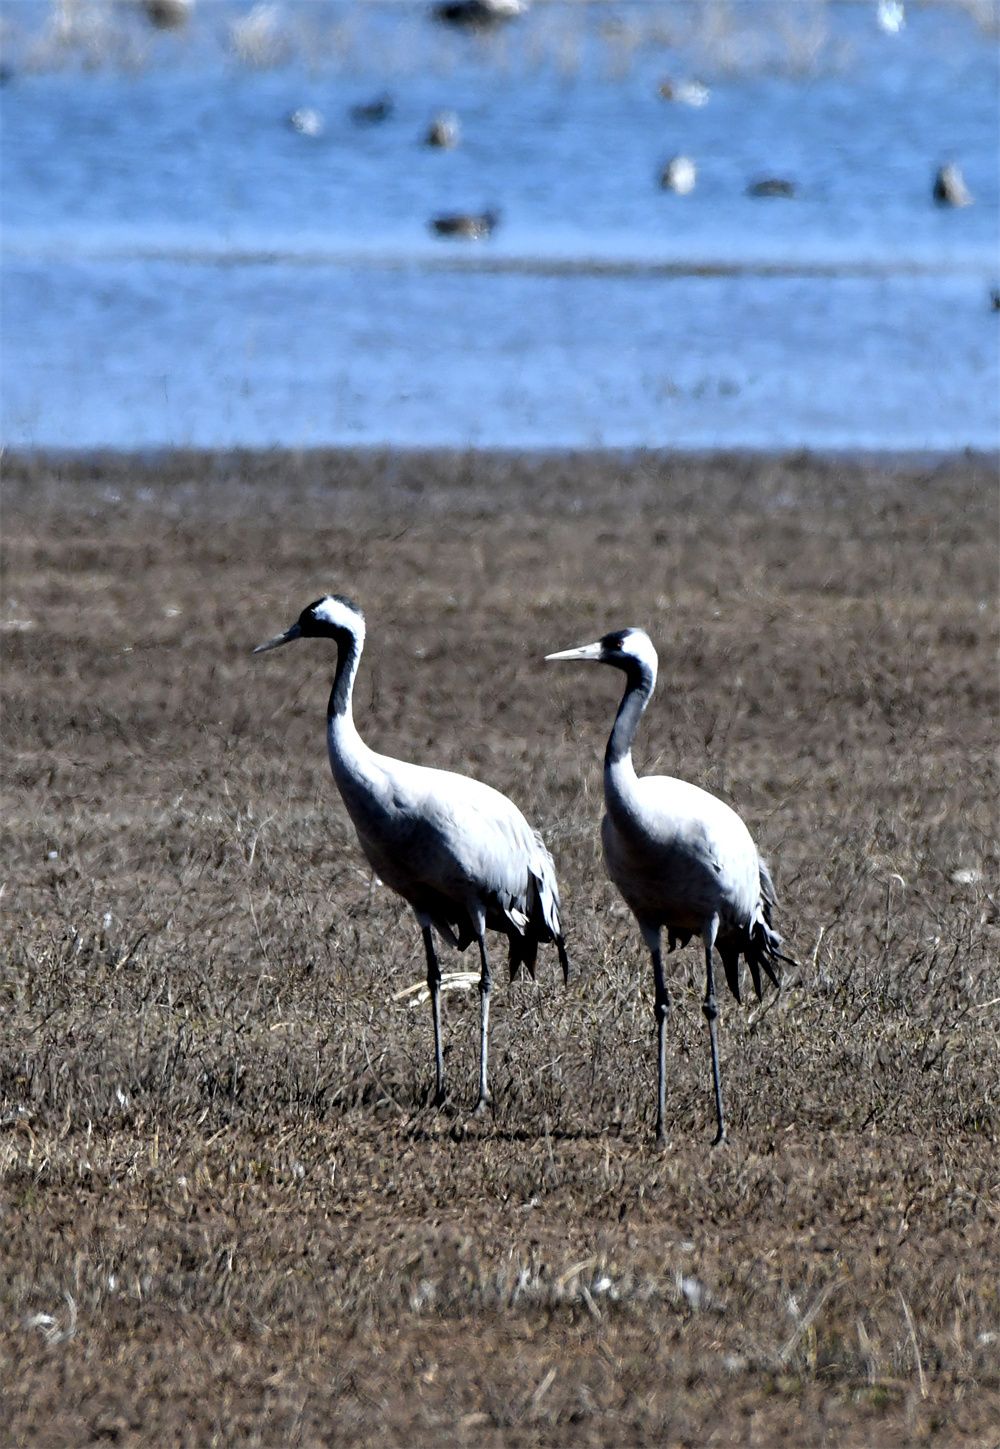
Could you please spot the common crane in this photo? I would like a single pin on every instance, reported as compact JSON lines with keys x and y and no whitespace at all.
{"x":460,"y":853}
{"x":681,"y":858}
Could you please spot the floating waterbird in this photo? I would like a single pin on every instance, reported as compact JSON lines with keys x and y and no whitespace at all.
{"x":679,"y":175}
{"x":684,"y":93}
{"x":460,"y":853}
{"x":890,"y":16}
{"x":168,"y":14}
{"x":772,"y":186}
{"x":682,"y":859}
{"x":444,"y":131}
{"x":949,"y":186}
{"x":467,"y":225}
{"x":479,"y":14}
{"x":306,"y":121}
{"x":372,"y":113}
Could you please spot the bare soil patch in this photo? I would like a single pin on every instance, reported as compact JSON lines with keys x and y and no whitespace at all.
{"x":228,"y":1214}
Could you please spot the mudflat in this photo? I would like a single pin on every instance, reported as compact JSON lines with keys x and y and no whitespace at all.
{"x":230,"y":1214}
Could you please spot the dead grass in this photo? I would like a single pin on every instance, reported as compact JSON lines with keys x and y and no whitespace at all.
{"x":228,"y":1214}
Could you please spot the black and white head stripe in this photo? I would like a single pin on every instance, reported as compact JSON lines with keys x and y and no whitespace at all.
{"x":627,"y":649}
{"x":628,"y":646}
{"x":332,"y":617}
{"x":333,"y":613}
{"x":616,"y":641}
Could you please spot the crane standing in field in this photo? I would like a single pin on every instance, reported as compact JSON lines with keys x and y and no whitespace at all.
{"x":681,"y":858}
{"x":460,"y":853}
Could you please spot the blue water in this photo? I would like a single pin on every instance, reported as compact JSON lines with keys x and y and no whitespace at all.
{"x":180,"y":267}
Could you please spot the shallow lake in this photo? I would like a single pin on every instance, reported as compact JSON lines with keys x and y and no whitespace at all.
{"x":181,"y":266}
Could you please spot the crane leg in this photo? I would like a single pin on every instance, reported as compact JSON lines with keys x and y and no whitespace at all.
{"x":711,"y":1010}
{"x":485,"y":1100}
{"x":661,"y":1008}
{"x":434,"y":986}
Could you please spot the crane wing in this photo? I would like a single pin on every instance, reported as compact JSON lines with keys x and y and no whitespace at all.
{"x":450,"y":834}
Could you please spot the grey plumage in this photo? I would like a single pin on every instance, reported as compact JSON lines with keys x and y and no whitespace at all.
{"x":459,"y":852}
{"x":682,"y":859}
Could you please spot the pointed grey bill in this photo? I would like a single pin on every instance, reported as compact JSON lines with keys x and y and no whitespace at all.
{"x":295,"y":632}
{"x":585,"y":651}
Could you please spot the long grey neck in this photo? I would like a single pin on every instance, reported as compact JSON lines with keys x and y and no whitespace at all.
{"x":618,"y":768}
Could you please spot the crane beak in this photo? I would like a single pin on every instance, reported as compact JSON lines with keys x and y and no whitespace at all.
{"x":591,"y":652}
{"x":295,"y":632}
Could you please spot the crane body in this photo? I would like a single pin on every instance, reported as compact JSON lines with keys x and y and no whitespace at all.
{"x":459,"y":852}
{"x":682,"y":859}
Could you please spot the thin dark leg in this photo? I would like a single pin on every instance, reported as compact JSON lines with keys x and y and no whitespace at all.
{"x":711,"y":1010}
{"x":662,"y":1010}
{"x":434,"y":985}
{"x":485,"y":1100}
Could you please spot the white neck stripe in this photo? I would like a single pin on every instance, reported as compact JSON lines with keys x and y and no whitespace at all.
{"x":340,"y":616}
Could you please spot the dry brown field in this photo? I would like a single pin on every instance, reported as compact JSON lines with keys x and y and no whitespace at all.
{"x":229,"y":1215}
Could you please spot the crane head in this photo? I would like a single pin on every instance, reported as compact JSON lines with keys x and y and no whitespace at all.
{"x":332,"y":617}
{"x":628,"y":649}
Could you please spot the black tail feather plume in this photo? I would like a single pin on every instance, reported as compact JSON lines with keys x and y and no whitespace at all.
{"x":524,"y":952}
{"x":760,"y":947}
{"x":758,"y":944}
{"x":731,"y":960}
{"x":542,"y":924}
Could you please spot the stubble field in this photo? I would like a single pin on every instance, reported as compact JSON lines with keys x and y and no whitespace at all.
{"x":229,"y":1215}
